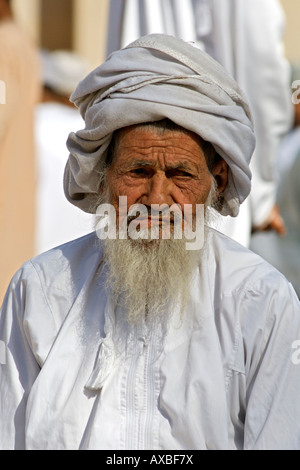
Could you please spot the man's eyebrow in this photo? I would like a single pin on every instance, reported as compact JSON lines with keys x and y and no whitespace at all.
{"x":184,"y":165}
{"x":140,"y":163}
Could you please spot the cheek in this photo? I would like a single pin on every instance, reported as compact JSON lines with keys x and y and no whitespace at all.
{"x":205,"y":193}
{"x":196,"y":193}
{"x":120,"y":187}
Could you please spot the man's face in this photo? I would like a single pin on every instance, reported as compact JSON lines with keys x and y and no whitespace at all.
{"x":157,"y":169}
{"x":152,"y":168}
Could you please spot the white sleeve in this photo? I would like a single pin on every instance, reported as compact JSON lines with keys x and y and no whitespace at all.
{"x":271,"y":346}
{"x":23,"y":306}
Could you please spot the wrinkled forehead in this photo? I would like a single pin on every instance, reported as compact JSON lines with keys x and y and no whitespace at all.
{"x":140,"y":141}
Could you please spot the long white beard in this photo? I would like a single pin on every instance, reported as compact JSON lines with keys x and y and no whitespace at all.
{"x":151,"y":278}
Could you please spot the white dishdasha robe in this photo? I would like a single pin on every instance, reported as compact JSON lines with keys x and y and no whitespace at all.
{"x":75,"y":375}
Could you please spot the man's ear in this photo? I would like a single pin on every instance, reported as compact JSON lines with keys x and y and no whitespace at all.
{"x":220,"y":173}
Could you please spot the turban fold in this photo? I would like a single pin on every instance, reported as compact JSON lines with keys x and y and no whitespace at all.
{"x":153,"y":78}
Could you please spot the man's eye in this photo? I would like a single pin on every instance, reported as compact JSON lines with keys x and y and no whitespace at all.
{"x":138,"y":172}
{"x":180,"y":174}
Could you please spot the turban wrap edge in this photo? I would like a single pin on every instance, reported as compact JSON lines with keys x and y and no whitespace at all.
{"x":157,"y":77}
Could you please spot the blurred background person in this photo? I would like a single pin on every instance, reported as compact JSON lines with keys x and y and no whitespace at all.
{"x":284,"y":252}
{"x":246,"y":37}
{"x":57,"y":220}
{"x":19,"y":70}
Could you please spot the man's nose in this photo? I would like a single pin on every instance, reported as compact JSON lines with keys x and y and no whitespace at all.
{"x":158,"y":190}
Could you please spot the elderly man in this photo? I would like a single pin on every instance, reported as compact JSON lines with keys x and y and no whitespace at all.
{"x":138,"y":342}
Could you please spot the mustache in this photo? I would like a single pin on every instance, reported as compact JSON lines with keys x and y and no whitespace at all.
{"x":164,"y":213}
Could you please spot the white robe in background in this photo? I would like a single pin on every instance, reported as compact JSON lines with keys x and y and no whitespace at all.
{"x":283,"y":251}
{"x":246,"y":37}
{"x":74,"y":375}
{"x":57,"y":221}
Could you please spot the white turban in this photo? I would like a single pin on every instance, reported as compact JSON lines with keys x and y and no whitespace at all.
{"x":153,"y":78}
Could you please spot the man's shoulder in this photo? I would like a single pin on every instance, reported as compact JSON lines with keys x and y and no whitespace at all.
{"x":74,"y":254}
{"x":238,"y":267}
{"x":247,"y":290}
{"x":64,"y":267}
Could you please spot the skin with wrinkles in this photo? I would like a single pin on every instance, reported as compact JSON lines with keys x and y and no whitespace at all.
{"x":169,"y":168}
{"x":150,"y":167}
